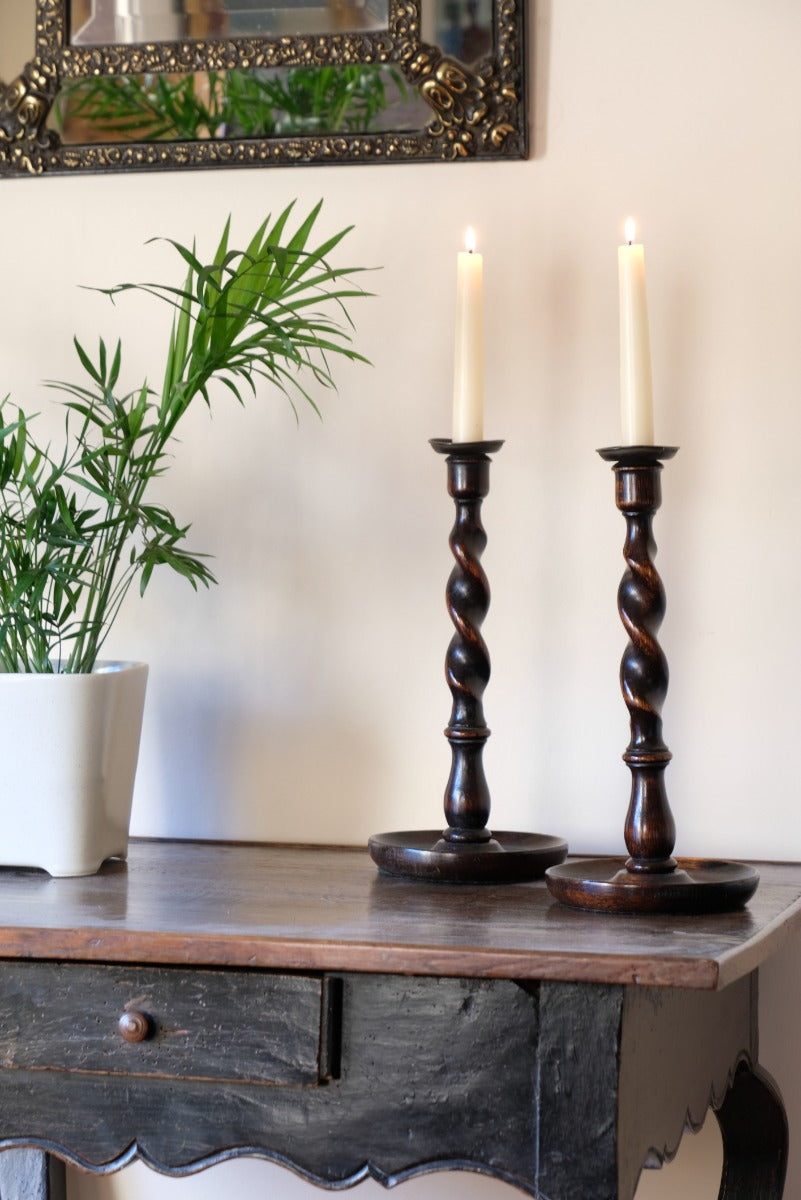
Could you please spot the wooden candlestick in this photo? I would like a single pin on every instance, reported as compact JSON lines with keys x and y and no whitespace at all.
{"x":467,"y":851}
{"x":650,"y":880}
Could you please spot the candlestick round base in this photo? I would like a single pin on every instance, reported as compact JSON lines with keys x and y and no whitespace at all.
{"x":505,"y":858}
{"x":698,"y":885}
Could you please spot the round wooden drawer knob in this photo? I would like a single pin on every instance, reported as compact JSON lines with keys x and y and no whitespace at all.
{"x":134,"y":1026}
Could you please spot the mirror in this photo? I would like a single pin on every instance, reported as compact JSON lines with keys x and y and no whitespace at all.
{"x":132,"y":21}
{"x":167,"y":84}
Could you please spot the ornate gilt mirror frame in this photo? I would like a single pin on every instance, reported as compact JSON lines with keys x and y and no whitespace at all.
{"x":476,"y":111}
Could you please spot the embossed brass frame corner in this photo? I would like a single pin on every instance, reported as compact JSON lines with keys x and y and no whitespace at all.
{"x":476,"y":113}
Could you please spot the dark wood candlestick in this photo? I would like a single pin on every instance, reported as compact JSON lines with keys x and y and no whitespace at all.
{"x":650,"y":880}
{"x":467,"y":851}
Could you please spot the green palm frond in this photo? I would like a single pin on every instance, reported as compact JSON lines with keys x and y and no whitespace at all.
{"x":76,"y":528}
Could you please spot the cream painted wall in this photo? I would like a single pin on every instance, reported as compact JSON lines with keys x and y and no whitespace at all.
{"x":303,"y":699}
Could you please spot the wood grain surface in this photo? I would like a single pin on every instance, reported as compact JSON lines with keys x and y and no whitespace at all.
{"x":230,"y":1026}
{"x":328,"y":909}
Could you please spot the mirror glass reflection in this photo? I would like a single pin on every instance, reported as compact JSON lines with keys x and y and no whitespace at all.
{"x":17,"y":37}
{"x":128,"y":22}
{"x":274,"y":102}
{"x":464,"y":29}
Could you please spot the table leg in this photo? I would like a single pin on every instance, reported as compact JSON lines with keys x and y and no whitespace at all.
{"x":755,"y":1138}
{"x":31,"y":1175}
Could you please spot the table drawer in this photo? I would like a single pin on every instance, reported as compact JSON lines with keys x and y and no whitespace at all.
{"x":168,"y":1022}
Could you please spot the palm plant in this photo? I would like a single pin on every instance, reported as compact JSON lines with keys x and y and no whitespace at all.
{"x":77,"y":525}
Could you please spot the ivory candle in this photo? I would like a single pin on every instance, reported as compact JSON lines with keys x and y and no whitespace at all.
{"x":468,"y":355}
{"x":636,"y":398}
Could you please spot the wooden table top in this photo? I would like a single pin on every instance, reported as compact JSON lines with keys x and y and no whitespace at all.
{"x":323,"y":908}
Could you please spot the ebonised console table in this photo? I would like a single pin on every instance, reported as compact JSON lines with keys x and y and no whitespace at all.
{"x":207,"y":1000}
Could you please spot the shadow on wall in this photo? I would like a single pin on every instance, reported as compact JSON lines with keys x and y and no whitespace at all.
{"x":231,"y":769}
{"x":539,"y":54}
{"x":254,"y":1178}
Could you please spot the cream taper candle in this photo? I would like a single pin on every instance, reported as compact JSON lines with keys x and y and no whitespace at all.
{"x":636,"y":399}
{"x":468,"y":357}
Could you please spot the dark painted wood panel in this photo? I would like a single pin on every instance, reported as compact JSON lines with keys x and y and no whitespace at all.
{"x":433,"y":1071}
{"x":679,"y":1054}
{"x":624,"y":1072}
{"x":221,"y":1025}
{"x":563,"y":1089}
{"x":317,"y":909}
{"x":579,"y":1056}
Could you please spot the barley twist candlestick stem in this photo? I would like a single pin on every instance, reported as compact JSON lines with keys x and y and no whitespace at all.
{"x":650,"y":831}
{"x":467,"y":851}
{"x":467,"y":663}
{"x":650,"y":880}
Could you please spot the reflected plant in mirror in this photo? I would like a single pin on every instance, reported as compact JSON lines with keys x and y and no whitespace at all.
{"x":241,"y":104}
{"x":161,"y":84}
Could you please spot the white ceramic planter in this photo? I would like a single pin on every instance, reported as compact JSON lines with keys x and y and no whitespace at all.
{"x":70,"y":745}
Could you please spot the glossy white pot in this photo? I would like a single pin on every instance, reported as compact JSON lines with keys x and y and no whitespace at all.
{"x":70,"y":745}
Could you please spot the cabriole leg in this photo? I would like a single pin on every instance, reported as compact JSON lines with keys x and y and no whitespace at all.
{"x":755,"y":1138}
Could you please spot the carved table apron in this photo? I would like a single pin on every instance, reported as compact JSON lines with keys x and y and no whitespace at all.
{"x":208,"y":1001}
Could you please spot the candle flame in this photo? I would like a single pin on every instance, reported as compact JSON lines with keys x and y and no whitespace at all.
{"x":470,"y":240}
{"x":631,"y":230}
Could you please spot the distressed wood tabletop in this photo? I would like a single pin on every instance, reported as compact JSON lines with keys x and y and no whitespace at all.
{"x":328,"y":909}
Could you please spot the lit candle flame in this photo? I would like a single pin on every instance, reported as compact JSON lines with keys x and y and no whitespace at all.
{"x":470,"y":240}
{"x":631,"y":230}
